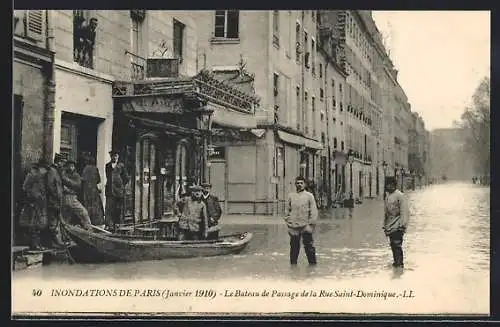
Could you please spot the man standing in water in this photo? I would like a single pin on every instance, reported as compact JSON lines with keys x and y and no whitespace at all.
{"x":301,"y":217}
{"x":396,"y":219}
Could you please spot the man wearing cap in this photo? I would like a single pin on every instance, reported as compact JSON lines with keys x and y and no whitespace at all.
{"x":116,"y":179}
{"x":193,"y":216}
{"x":214,"y":212}
{"x":72,"y":184}
{"x":396,"y":219}
{"x":54,"y":198}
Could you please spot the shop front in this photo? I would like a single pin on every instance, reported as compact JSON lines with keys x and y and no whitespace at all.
{"x":162,"y":129}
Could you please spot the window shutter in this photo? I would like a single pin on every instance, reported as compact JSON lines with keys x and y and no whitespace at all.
{"x":35,"y":26}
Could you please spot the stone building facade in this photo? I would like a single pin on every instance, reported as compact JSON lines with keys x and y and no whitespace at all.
{"x":33,"y":95}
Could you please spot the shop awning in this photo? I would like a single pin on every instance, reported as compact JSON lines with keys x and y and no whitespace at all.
{"x":313,"y":144}
{"x":291,"y":138}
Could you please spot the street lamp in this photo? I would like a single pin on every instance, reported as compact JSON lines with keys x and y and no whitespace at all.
{"x":350,"y":158}
{"x":205,"y":126}
{"x":384,"y":167}
{"x":402,"y":178}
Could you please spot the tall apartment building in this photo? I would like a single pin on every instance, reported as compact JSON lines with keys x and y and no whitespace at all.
{"x":280,"y":50}
{"x":129,"y":80}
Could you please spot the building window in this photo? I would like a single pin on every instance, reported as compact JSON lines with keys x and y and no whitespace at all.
{"x":84,"y":34}
{"x":306,"y":57}
{"x":227,"y":24}
{"x":313,"y":56}
{"x":34,"y":24}
{"x":334,"y":142}
{"x":321,"y":94}
{"x":276,"y":99}
{"x":298,"y":50}
{"x":320,"y":70}
{"x":138,"y":63}
{"x":342,"y":146}
{"x":178,"y":39}
{"x":304,"y":113}
{"x":298,"y":106}
{"x":313,"y":107}
{"x":276,"y":27}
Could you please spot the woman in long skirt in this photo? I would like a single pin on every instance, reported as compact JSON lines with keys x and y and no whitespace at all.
{"x":91,"y":192}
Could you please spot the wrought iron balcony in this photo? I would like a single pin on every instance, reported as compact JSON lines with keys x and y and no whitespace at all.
{"x":137,"y":66}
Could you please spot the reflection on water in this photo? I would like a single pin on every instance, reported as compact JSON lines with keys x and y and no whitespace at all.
{"x":448,"y":236}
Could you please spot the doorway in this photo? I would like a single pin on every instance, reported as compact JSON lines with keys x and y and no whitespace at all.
{"x":78,"y":136}
{"x":161,"y":175}
{"x":145,"y":181}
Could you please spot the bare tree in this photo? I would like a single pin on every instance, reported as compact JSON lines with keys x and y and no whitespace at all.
{"x":475,"y":121}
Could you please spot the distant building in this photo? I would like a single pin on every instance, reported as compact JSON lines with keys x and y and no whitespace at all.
{"x":448,"y":156}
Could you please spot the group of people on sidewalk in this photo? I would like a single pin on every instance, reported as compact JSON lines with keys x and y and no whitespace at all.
{"x":50,"y":190}
{"x":56,"y":191}
{"x":302,"y":214}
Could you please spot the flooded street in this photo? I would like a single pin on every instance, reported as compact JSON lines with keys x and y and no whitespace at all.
{"x":446,"y":257}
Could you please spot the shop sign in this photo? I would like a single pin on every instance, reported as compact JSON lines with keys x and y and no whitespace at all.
{"x":217,"y":153}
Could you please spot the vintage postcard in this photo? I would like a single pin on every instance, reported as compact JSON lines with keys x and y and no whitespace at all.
{"x":250,"y":162}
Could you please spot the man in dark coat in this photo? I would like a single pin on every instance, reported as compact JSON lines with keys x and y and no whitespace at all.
{"x":54,"y":198}
{"x":214,"y":212}
{"x":72,"y":184}
{"x":116,"y":180}
{"x":34,"y":215}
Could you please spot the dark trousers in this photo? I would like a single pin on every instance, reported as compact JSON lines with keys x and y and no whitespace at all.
{"x":54,"y":214}
{"x":396,"y":241}
{"x":113,"y":213}
{"x":307,"y":240}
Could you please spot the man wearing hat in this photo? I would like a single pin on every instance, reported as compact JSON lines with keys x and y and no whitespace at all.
{"x":116,"y":180}
{"x":54,"y":198}
{"x":193,"y":216}
{"x":72,"y":184}
{"x":214,"y":212}
{"x":396,"y":219}
{"x":34,"y":215}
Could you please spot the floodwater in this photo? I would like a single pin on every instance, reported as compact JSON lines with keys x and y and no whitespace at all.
{"x":447,"y":255}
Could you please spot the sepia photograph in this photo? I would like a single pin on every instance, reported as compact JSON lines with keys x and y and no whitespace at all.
{"x":250,"y":162}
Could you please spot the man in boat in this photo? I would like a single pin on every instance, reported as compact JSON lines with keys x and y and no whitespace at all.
{"x":55,"y":198}
{"x":214,"y":212}
{"x":395,"y":220}
{"x":300,"y":218}
{"x":116,"y":180}
{"x":72,"y":184}
{"x":193,"y":216}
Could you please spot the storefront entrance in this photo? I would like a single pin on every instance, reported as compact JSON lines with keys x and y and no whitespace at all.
{"x":162,"y":167}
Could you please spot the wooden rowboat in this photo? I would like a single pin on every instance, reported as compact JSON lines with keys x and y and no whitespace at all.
{"x":103,"y":246}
